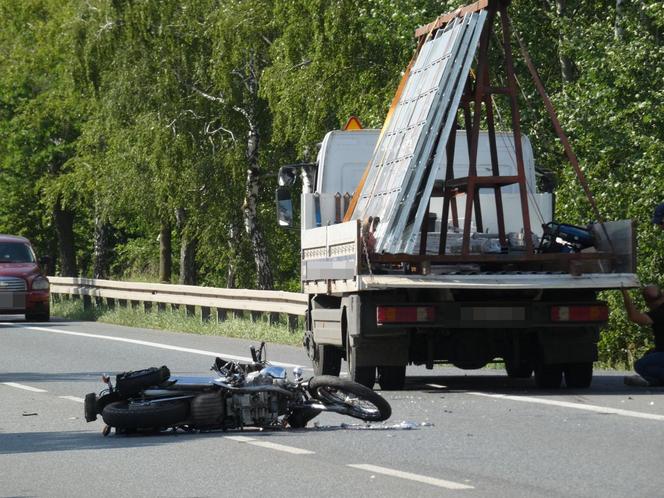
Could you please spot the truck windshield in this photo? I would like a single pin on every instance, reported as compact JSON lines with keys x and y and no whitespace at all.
{"x":15,"y":252}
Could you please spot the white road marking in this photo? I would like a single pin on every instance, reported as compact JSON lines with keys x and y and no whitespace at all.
{"x":240,"y":439}
{"x":578,"y":406}
{"x":73,"y":398}
{"x":437,"y":386}
{"x":150,"y":344}
{"x":269,"y":445}
{"x":441,"y":483}
{"x":281,"y":447}
{"x":24,"y":387}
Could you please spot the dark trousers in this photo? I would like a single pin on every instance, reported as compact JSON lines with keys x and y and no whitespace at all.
{"x":651,"y":367}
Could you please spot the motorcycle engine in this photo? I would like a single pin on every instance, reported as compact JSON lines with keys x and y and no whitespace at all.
{"x":260,"y":408}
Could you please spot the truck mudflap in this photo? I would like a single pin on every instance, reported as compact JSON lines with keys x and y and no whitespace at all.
{"x":392,"y":350}
{"x":568,"y":345}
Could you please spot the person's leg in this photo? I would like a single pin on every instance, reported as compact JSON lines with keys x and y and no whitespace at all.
{"x":651,"y":368}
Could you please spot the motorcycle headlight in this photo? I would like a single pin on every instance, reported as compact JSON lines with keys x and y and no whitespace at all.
{"x":40,"y":283}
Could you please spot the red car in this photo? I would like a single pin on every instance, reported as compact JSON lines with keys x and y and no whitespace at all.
{"x":23,"y":286}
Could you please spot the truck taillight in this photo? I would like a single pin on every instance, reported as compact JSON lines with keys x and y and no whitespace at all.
{"x":405,"y":314}
{"x":593,"y":313}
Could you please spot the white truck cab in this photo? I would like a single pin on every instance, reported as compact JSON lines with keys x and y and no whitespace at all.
{"x":344,"y":155}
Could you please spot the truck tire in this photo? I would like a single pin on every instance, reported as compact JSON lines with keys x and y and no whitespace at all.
{"x":362,"y":375}
{"x":548,"y":376}
{"x":392,"y":378}
{"x":328,"y":360}
{"x":578,"y":375}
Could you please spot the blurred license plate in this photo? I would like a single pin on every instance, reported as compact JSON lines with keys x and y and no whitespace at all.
{"x":497,"y":313}
{"x":11,"y":300}
{"x":6,"y":300}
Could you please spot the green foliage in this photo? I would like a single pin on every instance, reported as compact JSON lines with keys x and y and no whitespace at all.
{"x":126,"y":111}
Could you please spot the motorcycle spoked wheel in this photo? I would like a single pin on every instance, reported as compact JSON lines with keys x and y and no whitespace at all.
{"x":145,"y":415}
{"x":355,"y":399}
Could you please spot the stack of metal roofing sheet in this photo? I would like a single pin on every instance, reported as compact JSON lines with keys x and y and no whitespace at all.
{"x":400,"y":178}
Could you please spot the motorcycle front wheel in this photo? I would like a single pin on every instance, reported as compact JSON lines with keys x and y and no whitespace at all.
{"x":350,"y":398}
{"x":145,"y":415}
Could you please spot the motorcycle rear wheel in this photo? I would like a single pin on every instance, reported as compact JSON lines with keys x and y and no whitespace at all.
{"x":145,"y":415}
{"x":355,"y":400}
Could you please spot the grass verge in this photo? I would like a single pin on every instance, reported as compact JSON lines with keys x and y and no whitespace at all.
{"x":170,"y":320}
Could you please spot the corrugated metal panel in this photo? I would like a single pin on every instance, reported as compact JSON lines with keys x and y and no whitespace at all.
{"x":409,"y":227}
{"x":400,"y":179}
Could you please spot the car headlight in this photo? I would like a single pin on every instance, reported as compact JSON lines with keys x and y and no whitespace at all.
{"x":40,"y":283}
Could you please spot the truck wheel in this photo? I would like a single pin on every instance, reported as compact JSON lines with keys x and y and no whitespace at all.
{"x":520,"y":370}
{"x":328,"y":360}
{"x":578,"y":375}
{"x":548,"y":376}
{"x":392,"y":378}
{"x":362,"y":375}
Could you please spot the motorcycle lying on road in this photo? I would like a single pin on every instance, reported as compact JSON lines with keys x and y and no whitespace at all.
{"x":255,"y":394}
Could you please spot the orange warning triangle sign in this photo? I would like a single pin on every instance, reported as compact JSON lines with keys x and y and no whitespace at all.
{"x":353,"y":123}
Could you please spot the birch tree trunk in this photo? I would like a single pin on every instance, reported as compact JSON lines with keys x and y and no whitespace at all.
{"x":264,"y":277}
{"x":100,"y":264}
{"x":619,"y":30}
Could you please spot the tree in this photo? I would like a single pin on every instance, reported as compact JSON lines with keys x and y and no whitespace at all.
{"x":41,"y":119}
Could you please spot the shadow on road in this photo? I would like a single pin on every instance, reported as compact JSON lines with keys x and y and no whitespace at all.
{"x":607,"y":384}
{"x":50,"y":377}
{"x":38,"y":442}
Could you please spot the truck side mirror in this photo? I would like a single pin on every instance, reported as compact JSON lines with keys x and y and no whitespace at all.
{"x":284,"y":207}
{"x":286,"y":176}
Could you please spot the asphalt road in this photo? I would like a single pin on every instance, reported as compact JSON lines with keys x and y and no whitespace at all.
{"x":451,"y":433}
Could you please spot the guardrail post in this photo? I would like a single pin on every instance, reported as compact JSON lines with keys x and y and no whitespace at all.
{"x":110,"y":302}
{"x":122,"y":303}
{"x":161,"y":306}
{"x":147,"y":306}
{"x":99,"y":302}
{"x":256,"y":316}
{"x":272,"y":318}
{"x":292,"y":323}
{"x":87,"y":302}
{"x":190,"y":310}
{"x":221,"y":315}
{"x":205,"y":314}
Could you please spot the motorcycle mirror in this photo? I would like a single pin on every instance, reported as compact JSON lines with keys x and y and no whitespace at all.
{"x":253,"y":354}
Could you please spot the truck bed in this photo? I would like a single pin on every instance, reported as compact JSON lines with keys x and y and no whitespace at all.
{"x":334,"y":262}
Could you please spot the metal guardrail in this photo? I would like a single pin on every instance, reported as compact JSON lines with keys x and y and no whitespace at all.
{"x":224,"y":301}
